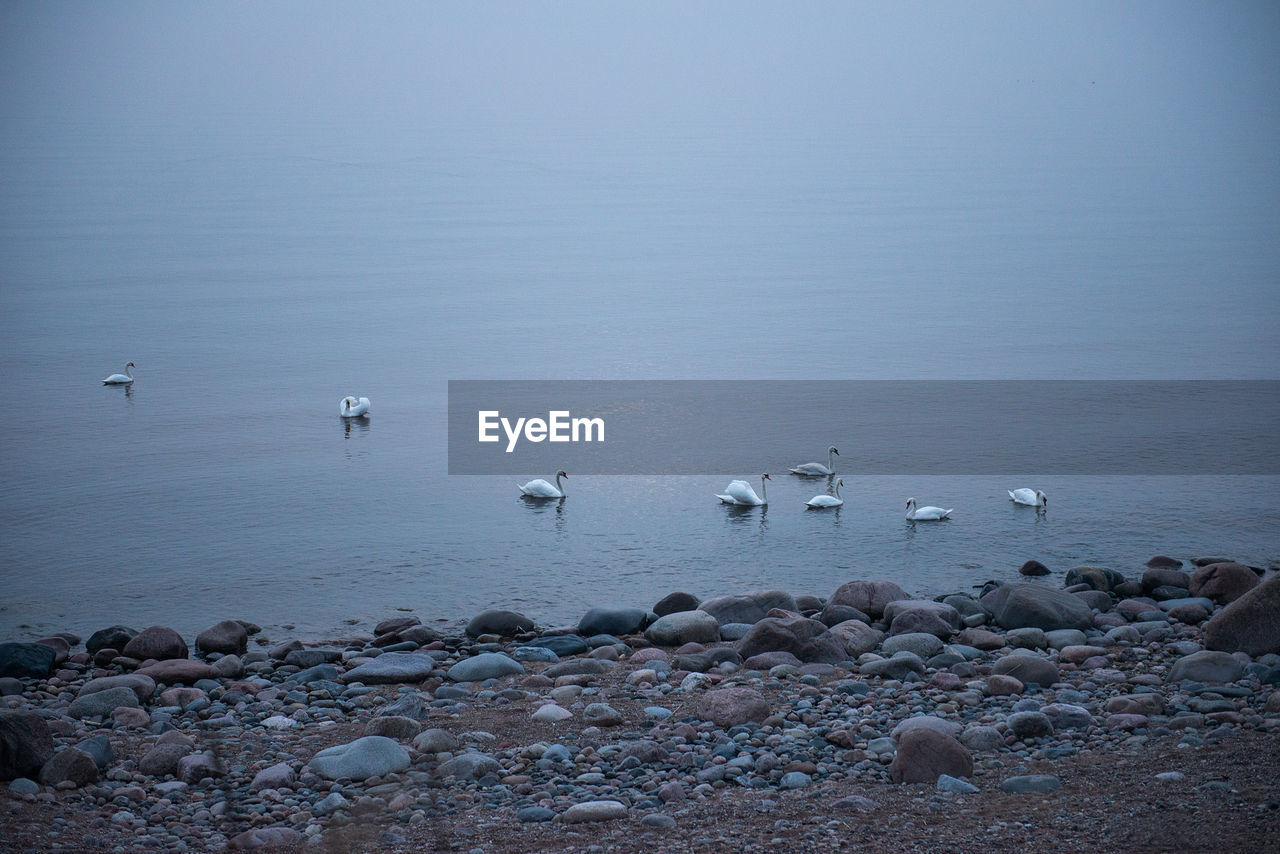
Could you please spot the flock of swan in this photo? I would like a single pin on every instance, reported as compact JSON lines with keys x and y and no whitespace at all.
{"x":738,"y":493}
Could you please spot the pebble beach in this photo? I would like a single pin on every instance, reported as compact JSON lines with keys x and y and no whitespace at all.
{"x":1092,"y":708}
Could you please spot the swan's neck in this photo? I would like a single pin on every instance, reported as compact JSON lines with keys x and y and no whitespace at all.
{"x":764,"y":490}
{"x":128,"y":372}
{"x":558,"y":486}
{"x":837,"y":490}
{"x":831,"y":460}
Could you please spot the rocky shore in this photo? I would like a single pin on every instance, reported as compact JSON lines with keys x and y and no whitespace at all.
{"x":1095,"y":712}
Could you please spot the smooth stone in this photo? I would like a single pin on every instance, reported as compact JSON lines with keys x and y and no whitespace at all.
{"x":1025,"y":605}
{"x":551,"y":713}
{"x":435,"y":740}
{"x":676,"y":602}
{"x":100,"y":704}
{"x":370,"y":756}
{"x":611,"y":621}
{"x":1026,"y":725}
{"x":486,"y":665}
{"x":728,"y":707}
{"x":530,"y":814}
{"x":471,"y":765}
{"x":393,"y":668}
{"x":591,"y":811}
{"x":1029,"y":783}
{"x":1028,"y":669}
{"x":227,"y":637}
{"x":69,"y":765}
{"x":561,"y":645}
{"x":1207,"y":666}
{"x":158,"y":642}
{"x":178,"y":671}
{"x":922,"y":644}
{"x":499,"y":622}
{"x":278,"y":776}
{"x":535,"y":653}
{"x":794,"y":780}
{"x":683,"y":627}
{"x":24,"y":786}
{"x":924,"y":754}
{"x":1249,"y":624}
{"x":1026,"y":638}
{"x":112,"y":637}
{"x":933,"y":722}
{"x":947,"y":783}
{"x":26,"y":660}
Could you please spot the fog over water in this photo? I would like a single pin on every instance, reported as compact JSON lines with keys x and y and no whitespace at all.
{"x":269,"y":206}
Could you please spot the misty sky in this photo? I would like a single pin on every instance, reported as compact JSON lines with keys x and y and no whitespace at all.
{"x":1175,"y":102}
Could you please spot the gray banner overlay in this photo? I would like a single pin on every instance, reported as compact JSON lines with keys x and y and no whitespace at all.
{"x":922,"y":427}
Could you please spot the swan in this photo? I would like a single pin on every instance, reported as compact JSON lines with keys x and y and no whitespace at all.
{"x":1032,"y":497}
{"x":740,"y":492}
{"x":925,"y":514}
{"x":821,"y":501}
{"x":121,"y":379}
{"x":351,"y":407}
{"x":816,"y":469}
{"x":541,"y":489}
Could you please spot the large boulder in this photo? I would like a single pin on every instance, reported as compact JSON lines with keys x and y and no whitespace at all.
{"x":392,"y":668}
{"x":1164,"y":576}
{"x":498,"y":622}
{"x":1028,"y":669}
{"x":870,"y":597}
{"x":1250,"y":624}
{"x":226,"y":638}
{"x":773,"y":634}
{"x":112,"y":637}
{"x":26,"y":660}
{"x":1021,"y":605}
{"x":674,"y":603}
{"x":850,"y":639}
{"x":683,"y":627}
{"x":1223,"y":582}
{"x":143,"y":686}
{"x":371,"y":756}
{"x":70,"y":765}
{"x":616,"y":621}
{"x":925,"y":753}
{"x":1206,"y":666}
{"x":486,"y":665}
{"x":728,"y":707}
{"x":101,"y":704}
{"x":747,"y":607}
{"x":158,"y":642}
{"x":26,"y":744}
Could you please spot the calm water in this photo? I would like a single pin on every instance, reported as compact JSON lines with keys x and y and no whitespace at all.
{"x":257,"y":275}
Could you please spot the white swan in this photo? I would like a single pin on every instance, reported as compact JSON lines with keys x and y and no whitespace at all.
{"x":1031,"y":497}
{"x":925,"y":514}
{"x":816,"y":469}
{"x":121,"y":379}
{"x":541,"y":489}
{"x":821,"y":501}
{"x":740,"y":492}
{"x":351,"y":407}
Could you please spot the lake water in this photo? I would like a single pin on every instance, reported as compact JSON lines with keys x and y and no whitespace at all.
{"x":258,"y":272}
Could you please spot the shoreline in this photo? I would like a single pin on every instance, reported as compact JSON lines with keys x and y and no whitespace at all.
{"x":743,"y":722}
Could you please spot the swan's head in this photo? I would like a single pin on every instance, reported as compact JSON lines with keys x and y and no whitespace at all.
{"x":839,"y":481}
{"x":832,"y":450}
{"x":562,"y":474}
{"x":911,"y":502}
{"x":131,"y":365}
{"x":1042,"y":498}
{"x":765,"y":477}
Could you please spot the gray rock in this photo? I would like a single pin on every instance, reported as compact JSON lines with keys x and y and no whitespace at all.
{"x":1029,"y":783}
{"x":435,"y":741}
{"x":924,"y":754}
{"x":591,"y":811}
{"x":1223,"y":582}
{"x":24,"y":786}
{"x":486,"y":665}
{"x":113,"y":637}
{"x":1026,"y":725}
{"x":900,"y":666}
{"x":393,"y":726}
{"x":683,"y":627}
{"x":69,"y":765}
{"x":673,"y":603}
{"x":1068,"y":716}
{"x":278,"y":776}
{"x":1021,"y":605}
{"x":982,"y":739}
{"x":602,"y":714}
{"x":727,"y":707}
{"x":305,"y":658}
{"x":1028,"y":669}
{"x":947,"y":783}
{"x":748,"y":607}
{"x":1059,"y":638}
{"x":227,"y":637}
{"x":1097,"y":577}
{"x":498,"y":622}
{"x":396,"y":667}
{"x":528,"y":814}
{"x":923,"y":645}
{"x":1207,"y":666}
{"x":158,"y":642}
{"x":578,"y":667}
{"x":330,"y":804}
{"x":26,"y":660}
{"x":1250,"y":624}
{"x":611,"y":621}
{"x":194,"y":767}
{"x":561,"y":645}
{"x":933,"y":722}
{"x":535,"y":653}
{"x":1028,"y":638}
{"x":658,"y":819}
{"x":370,"y":756}
{"x":100,"y":704}
{"x":470,"y":766}
{"x":264,"y":837}
{"x":316,"y":673}
{"x":162,"y":760}
{"x":142,"y":686}
{"x":99,"y":747}
{"x":795,"y":780}
{"x":870,"y":597}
